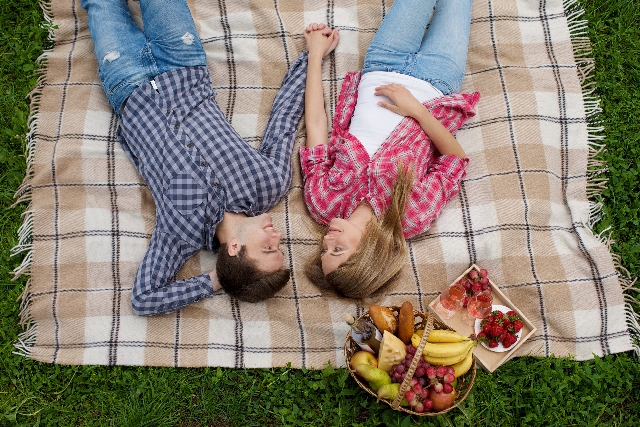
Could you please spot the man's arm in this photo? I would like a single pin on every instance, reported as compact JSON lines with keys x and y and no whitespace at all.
{"x":280,"y":132}
{"x":154,"y":292}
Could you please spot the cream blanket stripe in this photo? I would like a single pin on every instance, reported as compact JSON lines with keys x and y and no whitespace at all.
{"x":523,"y":212}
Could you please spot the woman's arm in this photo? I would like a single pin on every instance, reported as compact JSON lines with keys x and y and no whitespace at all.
{"x":405,"y":104}
{"x":320,"y":42}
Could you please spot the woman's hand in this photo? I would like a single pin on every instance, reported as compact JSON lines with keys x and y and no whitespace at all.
{"x":321,"y":40}
{"x":404,"y":103}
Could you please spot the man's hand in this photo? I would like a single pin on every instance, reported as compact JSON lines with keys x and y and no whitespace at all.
{"x":214,"y":280}
{"x":404,"y":103}
{"x":321,"y":40}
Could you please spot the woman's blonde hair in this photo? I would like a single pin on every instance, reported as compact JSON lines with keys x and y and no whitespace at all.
{"x":380,"y":255}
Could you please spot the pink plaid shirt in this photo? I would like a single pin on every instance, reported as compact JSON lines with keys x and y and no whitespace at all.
{"x":340,"y":175}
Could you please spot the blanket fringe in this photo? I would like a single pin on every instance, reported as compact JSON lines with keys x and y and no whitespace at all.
{"x":27,"y":339}
{"x":596,"y":166}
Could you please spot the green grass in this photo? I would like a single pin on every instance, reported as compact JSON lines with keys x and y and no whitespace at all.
{"x":525,"y":391}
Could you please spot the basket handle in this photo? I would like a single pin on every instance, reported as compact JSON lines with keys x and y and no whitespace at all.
{"x":414,"y":363}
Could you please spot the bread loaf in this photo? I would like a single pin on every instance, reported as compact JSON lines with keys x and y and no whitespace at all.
{"x":405,"y":322}
{"x":383,"y":318}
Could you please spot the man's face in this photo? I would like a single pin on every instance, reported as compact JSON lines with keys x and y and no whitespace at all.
{"x":262,"y":242}
{"x":340,"y":242}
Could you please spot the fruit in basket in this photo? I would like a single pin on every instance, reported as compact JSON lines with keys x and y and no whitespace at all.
{"x":392,"y":351}
{"x":447,"y":361}
{"x":390,"y":391}
{"x":363,"y":357}
{"x":376,"y":377}
{"x":383,"y":318}
{"x":442,"y":400}
{"x":427,"y":380}
{"x":405,"y":322}
{"x":444,"y":353}
{"x":445,"y":335}
{"x":445,"y":350}
{"x":465,"y":364}
{"x":438,"y":336}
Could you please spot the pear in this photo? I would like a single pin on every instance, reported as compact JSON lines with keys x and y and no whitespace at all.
{"x":376,"y":377}
{"x":390,"y":391}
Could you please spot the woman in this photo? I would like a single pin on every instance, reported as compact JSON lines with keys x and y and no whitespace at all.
{"x":392,"y":162}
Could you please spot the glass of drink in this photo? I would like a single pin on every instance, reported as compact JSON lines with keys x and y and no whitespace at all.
{"x":450,"y":301}
{"x":478,"y":307}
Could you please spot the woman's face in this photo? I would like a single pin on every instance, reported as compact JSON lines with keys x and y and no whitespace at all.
{"x":339,"y":243}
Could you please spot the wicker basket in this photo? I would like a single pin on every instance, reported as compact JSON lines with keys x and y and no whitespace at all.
{"x":421,"y":321}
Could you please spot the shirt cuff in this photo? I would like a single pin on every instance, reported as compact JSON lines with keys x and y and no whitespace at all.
{"x":450,"y":165}
{"x":317,"y":154}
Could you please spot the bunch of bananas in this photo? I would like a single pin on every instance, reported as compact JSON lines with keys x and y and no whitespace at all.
{"x":449,"y":348}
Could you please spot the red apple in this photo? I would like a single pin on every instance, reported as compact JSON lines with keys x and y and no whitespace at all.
{"x":363,"y":357}
{"x":441,"y":401}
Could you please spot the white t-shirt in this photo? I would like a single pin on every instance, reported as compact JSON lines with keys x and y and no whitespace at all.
{"x":371,"y":123}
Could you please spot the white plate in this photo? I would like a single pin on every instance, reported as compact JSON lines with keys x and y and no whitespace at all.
{"x":500,"y":348}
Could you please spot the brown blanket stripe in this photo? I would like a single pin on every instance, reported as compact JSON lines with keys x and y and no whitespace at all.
{"x":523,"y":211}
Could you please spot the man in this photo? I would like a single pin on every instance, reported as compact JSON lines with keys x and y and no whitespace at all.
{"x":210,"y":187}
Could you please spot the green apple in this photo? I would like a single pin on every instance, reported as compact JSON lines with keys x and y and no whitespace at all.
{"x":363,"y":358}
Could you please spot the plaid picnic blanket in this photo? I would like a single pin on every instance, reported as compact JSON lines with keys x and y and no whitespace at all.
{"x":523,"y":211}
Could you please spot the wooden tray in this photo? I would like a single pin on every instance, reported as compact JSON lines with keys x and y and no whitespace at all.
{"x":487,"y":359}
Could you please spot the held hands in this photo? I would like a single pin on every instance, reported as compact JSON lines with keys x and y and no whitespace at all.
{"x":321,"y":40}
{"x":404,"y":103}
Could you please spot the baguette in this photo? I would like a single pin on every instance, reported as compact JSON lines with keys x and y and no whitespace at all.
{"x":405,"y":322}
{"x":383,"y":318}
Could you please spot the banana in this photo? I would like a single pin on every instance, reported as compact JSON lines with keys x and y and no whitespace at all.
{"x":443,"y":335}
{"x":445,"y":350}
{"x":447,"y":361}
{"x":415,"y":340}
{"x":464,"y":365}
{"x":438,"y":336}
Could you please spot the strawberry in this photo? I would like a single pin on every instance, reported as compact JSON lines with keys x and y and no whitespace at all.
{"x":496,"y":331}
{"x":517,"y":325}
{"x":487,"y":329}
{"x":481,"y":336}
{"x":509,"y":340}
{"x":512,"y":313}
{"x":493,"y":344}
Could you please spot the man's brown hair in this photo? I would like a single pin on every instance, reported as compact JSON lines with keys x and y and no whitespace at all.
{"x":242,"y":279}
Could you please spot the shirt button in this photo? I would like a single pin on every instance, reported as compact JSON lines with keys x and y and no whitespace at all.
{"x":176,"y":127}
{"x":201,"y":163}
{"x":189,"y":145}
{"x":215,"y":184}
{"x":168,"y":112}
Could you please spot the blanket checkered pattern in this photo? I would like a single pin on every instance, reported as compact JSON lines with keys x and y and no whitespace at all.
{"x":522,"y":212}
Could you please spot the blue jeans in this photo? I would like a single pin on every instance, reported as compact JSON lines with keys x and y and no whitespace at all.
{"x":127,"y":56}
{"x":438,"y":57}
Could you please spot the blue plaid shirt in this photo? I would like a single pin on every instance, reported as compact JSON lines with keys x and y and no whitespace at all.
{"x":197,"y":167}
